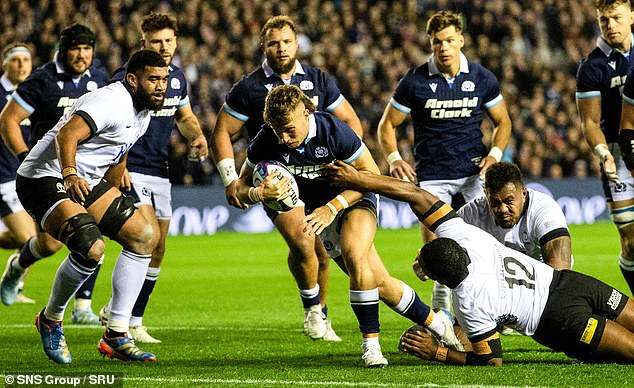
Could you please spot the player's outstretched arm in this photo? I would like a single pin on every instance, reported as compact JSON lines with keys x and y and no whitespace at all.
{"x":424,"y":346}
{"x":419,"y":200}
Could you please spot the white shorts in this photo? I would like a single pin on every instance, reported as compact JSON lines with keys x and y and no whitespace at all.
{"x":623,"y":191}
{"x":154,"y":191}
{"x":9,"y":201}
{"x":470,"y":187}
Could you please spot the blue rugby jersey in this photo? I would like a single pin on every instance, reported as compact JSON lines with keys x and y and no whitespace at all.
{"x":447,"y":117}
{"x":603,"y":74}
{"x":150,"y":153}
{"x":245,"y":100}
{"x":9,"y":163}
{"x":48,"y":93}
{"x":329,"y":139}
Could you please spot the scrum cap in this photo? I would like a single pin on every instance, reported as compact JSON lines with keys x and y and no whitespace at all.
{"x":74,"y":35}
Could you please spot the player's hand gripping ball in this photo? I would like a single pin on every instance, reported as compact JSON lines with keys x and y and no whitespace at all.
{"x":269,"y":167}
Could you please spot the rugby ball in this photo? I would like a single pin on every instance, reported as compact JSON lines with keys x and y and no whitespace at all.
{"x":268,"y":167}
{"x":414,"y":329}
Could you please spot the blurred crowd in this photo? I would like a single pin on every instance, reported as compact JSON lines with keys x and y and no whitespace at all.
{"x":534,"y":48}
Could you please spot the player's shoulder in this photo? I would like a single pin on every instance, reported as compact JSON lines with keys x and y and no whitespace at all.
{"x":313,"y":71}
{"x":46,"y":72}
{"x":597,"y":60}
{"x":98,"y":74}
{"x":480,"y":71}
{"x":542,"y":203}
{"x":255,"y":76}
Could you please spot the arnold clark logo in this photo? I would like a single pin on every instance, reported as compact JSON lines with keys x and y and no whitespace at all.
{"x":448,"y":109}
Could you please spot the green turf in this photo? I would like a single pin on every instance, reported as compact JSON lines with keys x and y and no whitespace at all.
{"x":228,"y":313}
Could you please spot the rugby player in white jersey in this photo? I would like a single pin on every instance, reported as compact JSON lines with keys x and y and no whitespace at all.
{"x":66,"y":184}
{"x":521,"y":218}
{"x":493,"y":285}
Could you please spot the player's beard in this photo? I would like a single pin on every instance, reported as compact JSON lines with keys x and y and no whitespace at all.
{"x":281,"y":68}
{"x":148,"y":101}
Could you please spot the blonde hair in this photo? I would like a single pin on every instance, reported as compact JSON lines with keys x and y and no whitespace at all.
{"x":281,"y":102}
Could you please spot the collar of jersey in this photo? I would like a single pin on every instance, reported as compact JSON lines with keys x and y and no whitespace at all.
{"x":6,"y":84}
{"x":60,"y":69}
{"x":606,"y":48}
{"x":268,"y":71}
{"x":433,"y":69}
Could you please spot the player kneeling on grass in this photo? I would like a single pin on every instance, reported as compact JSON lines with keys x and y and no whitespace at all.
{"x":61,"y":183}
{"x":306,"y":141}
{"x":494,"y":285}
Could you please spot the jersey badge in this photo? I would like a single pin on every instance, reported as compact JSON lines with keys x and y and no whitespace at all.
{"x":60,"y":188}
{"x":92,"y":85}
{"x":268,"y":87}
{"x":612,"y":64}
{"x":433,"y":87}
{"x":60,"y":85}
{"x":286,"y":156}
{"x":321,"y":152}
{"x":468,"y":86}
{"x":175,"y":83}
{"x":306,"y":85}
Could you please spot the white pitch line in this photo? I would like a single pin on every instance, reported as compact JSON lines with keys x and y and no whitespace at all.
{"x":308,"y":383}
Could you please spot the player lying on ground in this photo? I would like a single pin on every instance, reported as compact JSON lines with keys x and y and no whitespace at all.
{"x":494,"y":285}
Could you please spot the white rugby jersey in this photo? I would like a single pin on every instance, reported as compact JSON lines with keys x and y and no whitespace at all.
{"x":542,"y":216}
{"x":117,"y":126}
{"x":504,"y":287}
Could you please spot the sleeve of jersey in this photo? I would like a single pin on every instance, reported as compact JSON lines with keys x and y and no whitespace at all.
{"x":493,"y":96}
{"x":256,"y":151}
{"x":436,"y":215}
{"x":236,"y":102}
{"x":588,"y":84}
{"x":93,"y":108}
{"x":628,"y":91}
{"x":332,"y":95}
{"x":401,"y":100}
{"x":345,"y":144}
{"x":485,"y":347}
{"x":29,"y":94}
{"x":549,"y":222}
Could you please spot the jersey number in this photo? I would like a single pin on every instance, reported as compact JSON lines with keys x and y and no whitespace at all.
{"x":524,"y":278}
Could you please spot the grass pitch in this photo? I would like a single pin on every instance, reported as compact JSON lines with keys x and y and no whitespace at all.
{"x":229,"y":315}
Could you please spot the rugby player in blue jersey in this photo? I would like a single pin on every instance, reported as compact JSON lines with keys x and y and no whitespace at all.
{"x":306,"y":141}
{"x":447,"y":99}
{"x":146,"y":178}
{"x":49,"y":92}
{"x":16,"y":66}
{"x":243,"y":107}
{"x":600,"y":80}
